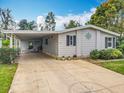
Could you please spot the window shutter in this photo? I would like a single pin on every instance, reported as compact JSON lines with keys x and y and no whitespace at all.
{"x":106,"y":42}
{"x":114,"y":43}
{"x":67,"y":40}
{"x":74,"y":40}
{"x":71,"y":40}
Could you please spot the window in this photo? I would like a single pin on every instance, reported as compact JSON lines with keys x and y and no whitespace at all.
{"x":46,"y":41}
{"x":110,"y":42}
{"x":71,"y":40}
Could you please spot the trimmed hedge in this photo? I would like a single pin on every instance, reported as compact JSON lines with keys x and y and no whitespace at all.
{"x":7,"y":55}
{"x":106,"y":54}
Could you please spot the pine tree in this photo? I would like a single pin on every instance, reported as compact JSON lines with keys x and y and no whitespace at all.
{"x":50,"y":22}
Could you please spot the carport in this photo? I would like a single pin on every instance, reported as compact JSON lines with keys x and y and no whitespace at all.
{"x":29,"y":41}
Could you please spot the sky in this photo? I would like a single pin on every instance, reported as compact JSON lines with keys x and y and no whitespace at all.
{"x":65,"y":10}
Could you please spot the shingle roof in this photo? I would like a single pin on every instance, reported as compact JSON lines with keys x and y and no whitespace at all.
{"x":91,"y":26}
{"x":63,"y":31}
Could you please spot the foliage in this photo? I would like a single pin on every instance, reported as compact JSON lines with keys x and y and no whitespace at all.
{"x":7,"y":72}
{"x":7,"y":55}
{"x":117,"y":66}
{"x":121,"y":48}
{"x":50,"y":22}
{"x":31,"y":25}
{"x":41,"y":27}
{"x":72,"y":24}
{"x":110,"y":15}
{"x":106,"y":54}
{"x":95,"y":54}
{"x":25,"y":25}
{"x":5,"y":43}
{"x":6,"y":18}
{"x":110,"y":54}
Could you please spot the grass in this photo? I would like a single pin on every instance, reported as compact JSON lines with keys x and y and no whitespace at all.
{"x":117,"y":66}
{"x":7,"y":72}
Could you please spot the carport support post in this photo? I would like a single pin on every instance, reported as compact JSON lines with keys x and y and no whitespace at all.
{"x":0,"y":42}
{"x":11,"y":41}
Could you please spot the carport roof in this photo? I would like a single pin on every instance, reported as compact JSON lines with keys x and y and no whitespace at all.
{"x":30,"y":34}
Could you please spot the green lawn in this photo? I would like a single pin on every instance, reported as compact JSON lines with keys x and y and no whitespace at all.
{"x":117,"y":66}
{"x":7,"y":72}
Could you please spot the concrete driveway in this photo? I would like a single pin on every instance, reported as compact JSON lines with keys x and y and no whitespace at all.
{"x":42,"y":74}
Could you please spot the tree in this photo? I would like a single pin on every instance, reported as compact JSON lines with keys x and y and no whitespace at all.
{"x":119,"y":26}
{"x":41,"y":27}
{"x":25,"y":25}
{"x":72,"y":24}
{"x":31,"y":25}
{"x":50,"y":22}
{"x":109,"y":15}
{"x":6,"y":18}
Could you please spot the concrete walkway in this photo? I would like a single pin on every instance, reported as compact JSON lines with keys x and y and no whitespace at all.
{"x":42,"y":74}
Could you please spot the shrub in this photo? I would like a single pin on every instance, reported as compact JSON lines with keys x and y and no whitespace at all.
{"x":110,"y":54}
{"x":95,"y":54}
{"x":106,"y":54}
{"x":102,"y":54}
{"x":115,"y":53}
{"x":121,"y":48}
{"x":8,"y":54}
{"x":5,"y":43}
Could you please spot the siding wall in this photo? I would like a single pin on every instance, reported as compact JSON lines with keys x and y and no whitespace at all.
{"x":63,"y":49}
{"x":88,"y":41}
{"x":102,"y":38}
{"x":52,"y":47}
{"x":84,"y":45}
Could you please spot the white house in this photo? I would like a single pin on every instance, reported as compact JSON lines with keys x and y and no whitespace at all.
{"x":79,"y":41}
